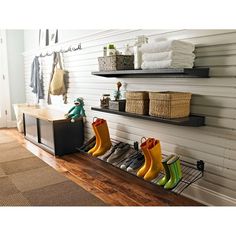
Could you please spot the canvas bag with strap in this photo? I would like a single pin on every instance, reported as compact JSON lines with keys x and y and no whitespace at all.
{"x":57,"y":85}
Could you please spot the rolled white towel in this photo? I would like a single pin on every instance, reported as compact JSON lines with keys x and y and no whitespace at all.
{"x":169,"y":45}
{"x":171,"y":55}
{"x":146,"y":65}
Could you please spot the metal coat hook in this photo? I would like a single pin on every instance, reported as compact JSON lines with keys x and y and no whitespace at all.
{"x":70,"y":49}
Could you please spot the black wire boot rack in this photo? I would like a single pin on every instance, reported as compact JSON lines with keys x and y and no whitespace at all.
{"x":191,"y":172}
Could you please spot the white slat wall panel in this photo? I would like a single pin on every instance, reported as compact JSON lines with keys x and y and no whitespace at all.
{"x":214,"y":97}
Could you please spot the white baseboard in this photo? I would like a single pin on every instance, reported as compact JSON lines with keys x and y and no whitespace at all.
{"x":11,"y":124}
{"x":208,"y":197}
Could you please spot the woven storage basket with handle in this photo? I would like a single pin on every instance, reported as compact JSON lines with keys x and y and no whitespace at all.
{"x":137,"y":102}
{"x":169,"y":104}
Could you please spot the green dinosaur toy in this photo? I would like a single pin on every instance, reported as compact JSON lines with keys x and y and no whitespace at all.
{"x":76,"y":111}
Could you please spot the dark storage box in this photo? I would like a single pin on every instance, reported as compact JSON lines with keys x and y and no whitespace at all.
{"x":117,"y":105}
{"x":116,"y":62}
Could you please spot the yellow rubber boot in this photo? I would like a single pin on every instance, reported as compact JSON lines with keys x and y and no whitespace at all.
{"x":156,"y":158}
{"x":144,"y":147}
{"x":98,"y":141}
{"x":105,"y":141}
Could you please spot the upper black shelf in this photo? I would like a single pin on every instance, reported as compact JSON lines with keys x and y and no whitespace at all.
{"x":192,"y":120}
{"x":157,"y":73}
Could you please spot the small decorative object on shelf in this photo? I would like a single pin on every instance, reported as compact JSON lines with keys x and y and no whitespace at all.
{"x":128,"y":50}
{"x":118,"y":104}
{"x":111,"y":50}
{"x":140,"y":40}
{"x":104,"y":51}
{"x":76,"y":111}
{"x":104,"y":101}
{"x":117,"y":93}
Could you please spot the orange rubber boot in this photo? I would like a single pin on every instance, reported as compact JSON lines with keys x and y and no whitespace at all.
{"x":144,"y":147}
{"x":104,"y":136}
{"x":156,"y":158}
{"x":98,"y":141}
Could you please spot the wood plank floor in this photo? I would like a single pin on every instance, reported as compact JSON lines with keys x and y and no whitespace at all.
{"x":114,"y":187}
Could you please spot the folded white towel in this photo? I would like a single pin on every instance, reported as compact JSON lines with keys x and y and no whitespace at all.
{"x":171,"y":55}
{"x":169,"y":45}
{"x":146,"y":65}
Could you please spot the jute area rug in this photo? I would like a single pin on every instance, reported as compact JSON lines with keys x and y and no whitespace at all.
{"x":25,"y":180}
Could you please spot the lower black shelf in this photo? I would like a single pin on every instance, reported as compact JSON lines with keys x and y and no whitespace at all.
{"x":192,"y":120}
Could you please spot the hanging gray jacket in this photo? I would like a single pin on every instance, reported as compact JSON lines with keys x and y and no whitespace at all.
{"x":36,"y":79}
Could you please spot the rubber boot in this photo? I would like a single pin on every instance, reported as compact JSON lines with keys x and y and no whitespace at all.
{"x":104,"y":136}
{"x":156,"y":158}
{"x":94,"y":124}
{"x":89,"y":146}
{"x":144,"y":147}
{"x":85,"y":145}
{"x":179,"y":171}
{"x":166,"y":177}
{"x":175,"y":173}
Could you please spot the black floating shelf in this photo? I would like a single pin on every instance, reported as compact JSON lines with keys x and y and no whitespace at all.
{"x":157,"y":73}
{"x":192,"y":120}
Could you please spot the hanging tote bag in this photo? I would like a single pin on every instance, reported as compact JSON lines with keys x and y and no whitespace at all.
{"x":57,"y":85}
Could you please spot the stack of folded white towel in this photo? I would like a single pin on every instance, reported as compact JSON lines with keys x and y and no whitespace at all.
{"x":167,"y":54}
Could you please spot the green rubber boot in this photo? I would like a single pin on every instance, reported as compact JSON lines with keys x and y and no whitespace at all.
{"x":179,"y":169}
{"x":166,"y":177}
{"x":175,"y":172}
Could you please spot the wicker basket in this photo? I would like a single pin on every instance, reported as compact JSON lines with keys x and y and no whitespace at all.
{"x":137,"y":102}
{"x":116,"y":62}
{"x":169,"y":104}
